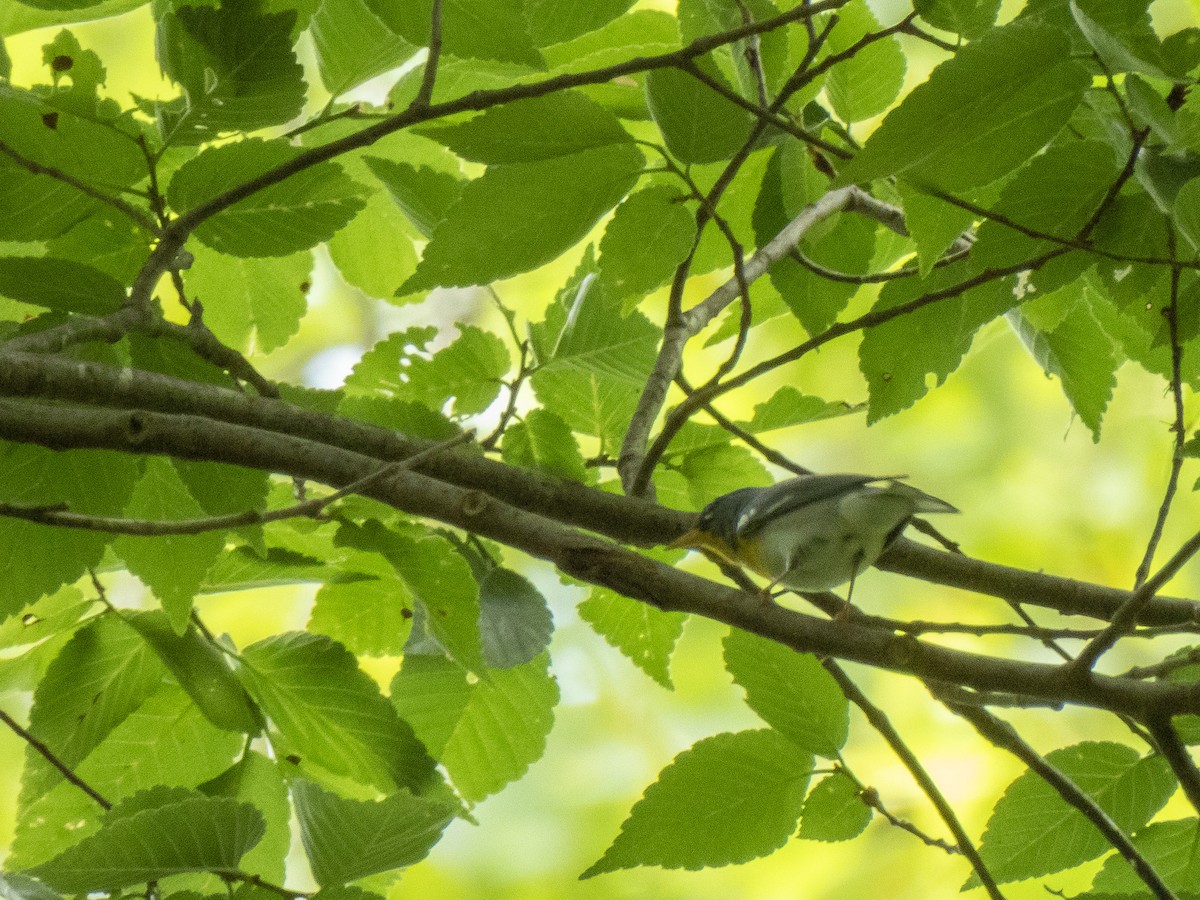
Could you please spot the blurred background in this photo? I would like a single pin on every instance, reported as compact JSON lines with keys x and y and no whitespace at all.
{"x":998,"y":440}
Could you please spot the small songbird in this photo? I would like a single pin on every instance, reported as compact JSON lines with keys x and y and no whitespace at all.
{"x":810,"y":533}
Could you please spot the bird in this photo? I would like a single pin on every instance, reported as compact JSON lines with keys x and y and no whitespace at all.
{"x":811,"y":533}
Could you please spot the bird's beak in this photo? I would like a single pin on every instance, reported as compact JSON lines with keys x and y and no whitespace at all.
{"x":696,"y":539}
{"x":692,"y":539}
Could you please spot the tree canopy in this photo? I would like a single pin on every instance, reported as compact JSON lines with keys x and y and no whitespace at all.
{"x":615,"y":259}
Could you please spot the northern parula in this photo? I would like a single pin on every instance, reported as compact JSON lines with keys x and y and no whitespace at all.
{"x":810,"y":533}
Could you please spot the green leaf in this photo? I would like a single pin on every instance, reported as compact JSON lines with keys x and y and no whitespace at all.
{"x":328,"y":710}
{"x":257,"y":780}
{"x":424,"y":194}
{"x":165,"y":741}
{"x":698,"y":124}
{"x":751,"y":782}
{"x":867,"y":83}
{"x":1032,"y":830}
{"x":1169,"y":848}
{"x":16,"y":18}
{"x":933,"y":223}
{"x":477,"y":29}
{"x":1187,"y":212}
{"x":834,"y":810}
{"x":469,"y":371}
{"x":38,"y":206}
{"x":1134,"y":50}
{"x":303,"y":210}
{"x":980,"y":114}
{"x":37,"y":559}
{"x":250,"y":303}
{"x":593,"y":359}
{"x":54,"y":614}
{"x":720,"y":469}
{"x":525,"y":131}
{"x":643,"y":32}
{"x":375,"y":251}
{"x":788,"y":407}
{"x":202,"y":670}
{"x":430,"y":692}
{"x":970,"y":18}
{"x":555,"y":21}
{"x":649,"y":235}
{"x":791,"y":691}
{"x":519,"y":216}
{"x":353,"y":44}
{"x":372,"y":616}
{"x":542,"y":441}
{"x":98,"y":153}
{"x":1055,"y":194}
{"x":844,"y":243}
{"x":641,"y":632}
{"x":1081,"y":354}
{"x":60,"y":284}
{"x":769,"y":51}
{"x":502,"y":730}
{"x":173,"y":566}
{"x":101,"y":676}
{"x":236,"y":67}
{"x":351,"y":839}
{"x":515,"y":624}
{"x":194,"y":835}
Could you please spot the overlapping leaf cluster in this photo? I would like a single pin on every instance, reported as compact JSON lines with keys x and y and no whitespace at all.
{"x":1047,"y":171}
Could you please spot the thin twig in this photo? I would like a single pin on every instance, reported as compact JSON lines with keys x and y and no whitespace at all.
{"x":429,"y":76}
{"x":870,"y":797}
{"x":1177,"y":756}
{"x":60,"y":516}
{"x":51,"y":758}
{"x":882,"y":724}
{"x":1171,"y":314}
{"x":1125,"y":617}
{"x":138,"y":216}
{"x":1002,"y":735}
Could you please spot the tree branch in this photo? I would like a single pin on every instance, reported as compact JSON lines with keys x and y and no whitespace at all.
{"x":1004,"y":736}
{"x":576,"y":554}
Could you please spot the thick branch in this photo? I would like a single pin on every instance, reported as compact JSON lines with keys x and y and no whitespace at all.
{"x":578,"y":555}
{"x":625,"y":519}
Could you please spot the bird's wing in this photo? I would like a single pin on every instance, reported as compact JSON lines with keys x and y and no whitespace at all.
{"x":794,"y":494}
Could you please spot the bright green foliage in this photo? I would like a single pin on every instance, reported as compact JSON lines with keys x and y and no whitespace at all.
{"x":752,"y":782}
{"x":349,"y":839}
{"x":277,"y":221}
{"x":628,"y":250}
{"x":200,"y":668}
{"x":59,"y":284}
{"x":1033,"y":831}
{"x":528,"y":130}
{"x":869,"y":82}
{"x":980,"y":115}
{"x":502,"y":728}
{"x":236,"y":69}
{"x":354,"y":44}
{"x":644,"y":634}
{"x":330,"y":712}
{"x":518,"y":216}
{"x":790,"y":691}
{"x":173,"y":566}
{"x":183,"y":835}
{"x":1169,"y":847}
{"x":544,"y":441}
{"x":834,"y":810}
{"x":649,"y":235}
{"x":698,"y":124}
